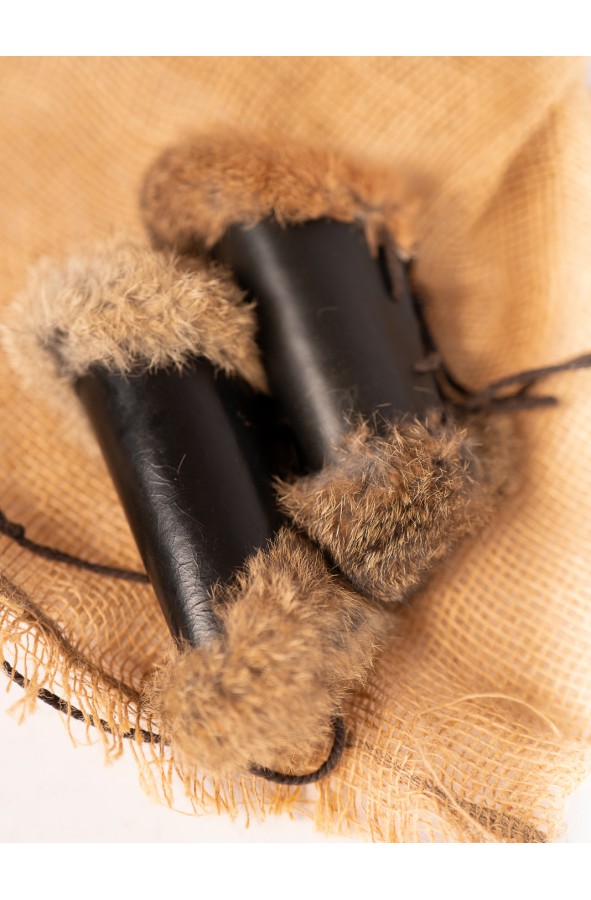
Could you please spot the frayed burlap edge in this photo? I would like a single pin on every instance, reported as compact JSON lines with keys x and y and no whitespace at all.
{"x":35,"y":647}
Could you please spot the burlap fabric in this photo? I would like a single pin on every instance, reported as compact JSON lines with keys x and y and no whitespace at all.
{"x":475,"y":725}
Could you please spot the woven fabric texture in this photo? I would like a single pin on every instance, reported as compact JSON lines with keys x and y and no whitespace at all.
{"x":475,"y":723}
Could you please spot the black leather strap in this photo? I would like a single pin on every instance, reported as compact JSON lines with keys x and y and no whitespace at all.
{"x":334,"y":341}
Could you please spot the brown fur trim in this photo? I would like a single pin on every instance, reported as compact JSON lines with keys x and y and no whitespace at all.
{"x":389,"y":507}
{"x":196,"y":189}
{"x":295,"y":639}
{"x":126,"y":307}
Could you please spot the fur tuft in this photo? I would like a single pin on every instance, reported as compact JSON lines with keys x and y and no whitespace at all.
{"x":390,"y":506}
{"x":125,"y":307}
{"x":206,"y":183}
{"x":295,"y":638}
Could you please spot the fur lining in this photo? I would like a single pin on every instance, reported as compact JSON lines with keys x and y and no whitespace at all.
{"x":196,"y":189}
{"x":125,"y":307}
{"x":390,"y":506}
{"x":295,"y":638}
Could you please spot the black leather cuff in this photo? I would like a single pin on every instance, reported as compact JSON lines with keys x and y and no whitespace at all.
{"x":191,"y":455}
{"x":337,"y":345}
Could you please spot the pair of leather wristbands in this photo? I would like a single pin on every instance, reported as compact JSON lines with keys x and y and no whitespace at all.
{"x":288,"y":466}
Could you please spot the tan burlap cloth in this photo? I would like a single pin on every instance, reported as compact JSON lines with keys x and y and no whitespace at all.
{"x":475,"y":726}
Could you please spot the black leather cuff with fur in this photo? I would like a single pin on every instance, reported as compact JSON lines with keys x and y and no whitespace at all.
{"x":290,"y":637}
{"x":385,"y":505}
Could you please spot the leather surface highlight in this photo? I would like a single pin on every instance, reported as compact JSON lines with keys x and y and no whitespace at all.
{"x":190,"y":457}
{"x":335,"y":343}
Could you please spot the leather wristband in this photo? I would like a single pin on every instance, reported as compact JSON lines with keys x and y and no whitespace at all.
{"x":189,"y":454}
{"x":337,"y":345}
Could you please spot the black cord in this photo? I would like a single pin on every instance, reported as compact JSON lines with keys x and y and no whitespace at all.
{"x":17,"y":533}
{"x":150,"y":737}
{"x":488,"y":400}
{"x":338,"y":746}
